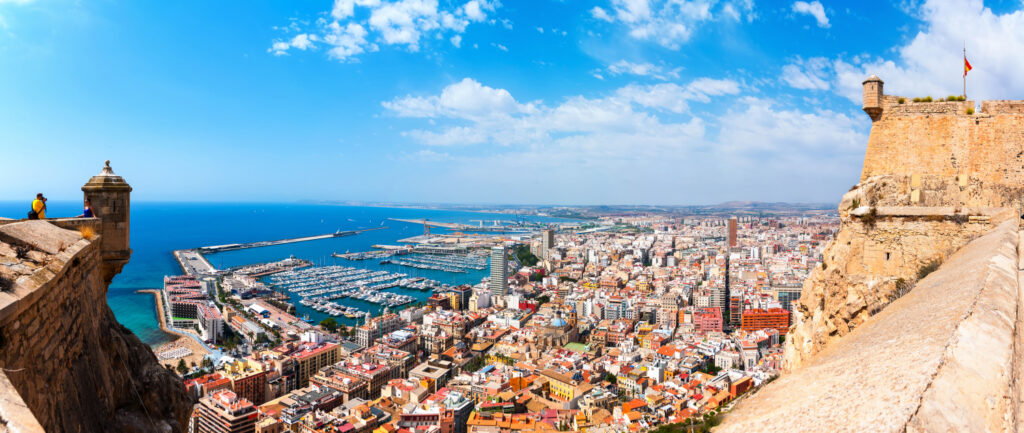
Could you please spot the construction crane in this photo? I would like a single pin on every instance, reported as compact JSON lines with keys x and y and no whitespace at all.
{"x":426,"y":227}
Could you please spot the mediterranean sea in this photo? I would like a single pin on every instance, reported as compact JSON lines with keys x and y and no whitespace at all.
{"x":158,"y":228}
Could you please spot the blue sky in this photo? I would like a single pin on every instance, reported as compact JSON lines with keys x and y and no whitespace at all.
{"x":479,"y":101}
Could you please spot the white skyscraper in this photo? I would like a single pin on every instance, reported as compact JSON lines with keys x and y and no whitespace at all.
{"x":499,"y":272}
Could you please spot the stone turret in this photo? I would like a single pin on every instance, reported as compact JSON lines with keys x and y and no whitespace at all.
{"x":873,"y":96}
{"x":110,"y":197}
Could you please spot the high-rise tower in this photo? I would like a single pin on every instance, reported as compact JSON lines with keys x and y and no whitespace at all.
{"x":547,"y":239}
{"x":732,"y":232}
{"x":499,"y":271}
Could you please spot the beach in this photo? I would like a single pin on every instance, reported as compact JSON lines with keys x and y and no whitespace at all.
{"x":183,"y":347}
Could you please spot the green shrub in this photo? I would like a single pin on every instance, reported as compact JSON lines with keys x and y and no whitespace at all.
{"x":855,"y":203}
{"x":901,"y":100}
{"x":928,"y":268}
{"x":961,"y":98}
{"x":870,"y":218}
{"x":970,"y":111}
{"x":917,"y":99}
{"x":927,"y":99}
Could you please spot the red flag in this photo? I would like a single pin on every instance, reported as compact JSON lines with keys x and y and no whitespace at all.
{"x":967,"y":66}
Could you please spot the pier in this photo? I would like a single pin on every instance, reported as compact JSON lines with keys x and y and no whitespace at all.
{"x":258,"y":244}
{"x":424,"y":222}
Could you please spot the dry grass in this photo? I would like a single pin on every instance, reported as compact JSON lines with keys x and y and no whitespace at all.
{"x":87,"y":233}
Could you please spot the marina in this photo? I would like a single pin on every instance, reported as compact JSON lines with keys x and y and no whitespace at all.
{"x":317,"y":287}
{"x":459,"y":263}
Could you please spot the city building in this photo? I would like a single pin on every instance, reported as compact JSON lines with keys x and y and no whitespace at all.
{"x":547,"y":239}
{"x":774,"y":318}
{"x":224,"y":412}
{"x":708,"y":320}
{"x":309,"y":358}
{"x":732,"y":232}
{"x":378,"y":327}
{"x":248,"y":380}
{"x":498,"y":283}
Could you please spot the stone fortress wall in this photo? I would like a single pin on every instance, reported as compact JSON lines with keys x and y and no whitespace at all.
{"x":942,"y":139}
{"x":67,"y":364}
{"x":934,"y":178}
{"x":878,"y":346}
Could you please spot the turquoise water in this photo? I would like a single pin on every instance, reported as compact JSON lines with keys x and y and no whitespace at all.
{"x":159,"y":228}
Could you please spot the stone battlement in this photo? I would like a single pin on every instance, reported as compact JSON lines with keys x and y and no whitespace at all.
{"x":66,"y":364}
{"x":942,"y":138}
{"x":952,"y":108}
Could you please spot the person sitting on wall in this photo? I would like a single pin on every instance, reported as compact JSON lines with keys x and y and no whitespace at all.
{"x":38,"y":211}
{"x":86,"y":210}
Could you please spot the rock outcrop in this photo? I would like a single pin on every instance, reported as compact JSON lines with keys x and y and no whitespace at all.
{"x":882,"y":248}
{"x":61,"y":349}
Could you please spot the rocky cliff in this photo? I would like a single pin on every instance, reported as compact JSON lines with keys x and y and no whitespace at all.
{"x":935,"y":176}
{"x":884,"y":246}
{"x":73,"y":366}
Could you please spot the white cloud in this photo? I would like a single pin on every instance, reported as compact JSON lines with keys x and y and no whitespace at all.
{"x":301,"y":42}
{"x":642,"y":69}
{"x":814,"y":9}
{"x":931,"y":62}
{"x":810,"y":74}
{"x":500,"y":47}
{"x":668,"y":23}
{"x":601,"y":14}
{"x":757,"y":125}
{"x":354,"y":27}
{"x":348,"y":41}
{"x":474,"y":10}
{"x":467,"y":99}
{"x":631,"y":145}
{"x":673,"y":97}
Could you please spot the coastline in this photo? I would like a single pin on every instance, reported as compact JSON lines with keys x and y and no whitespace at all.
{"x":198,"y":351}
{"x":159,"y":309}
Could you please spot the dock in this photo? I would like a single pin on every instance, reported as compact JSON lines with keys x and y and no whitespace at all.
{"x":258,"y":244}
{"x":451,"y":226}
{"x":465,"y":227}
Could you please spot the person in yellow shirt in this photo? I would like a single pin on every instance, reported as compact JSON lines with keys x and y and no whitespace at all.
{"x":39,"y":207}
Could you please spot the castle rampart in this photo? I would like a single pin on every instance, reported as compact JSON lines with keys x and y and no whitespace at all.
{"x":949,"y":139}
{"x":881,"y":340}
{"x":71,"y":365}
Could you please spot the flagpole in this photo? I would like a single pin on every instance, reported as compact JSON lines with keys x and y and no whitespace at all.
{"x":965,"y":70}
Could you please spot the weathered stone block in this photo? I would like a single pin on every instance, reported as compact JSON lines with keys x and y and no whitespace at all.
{"x":39,"y":235}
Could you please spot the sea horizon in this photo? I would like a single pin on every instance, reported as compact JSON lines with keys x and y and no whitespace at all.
{"x":159,"y":228}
